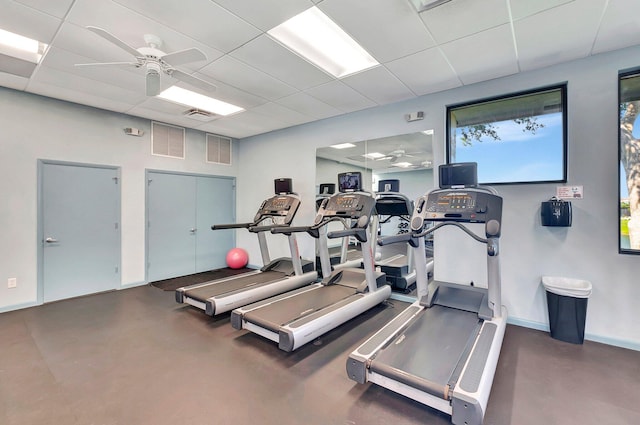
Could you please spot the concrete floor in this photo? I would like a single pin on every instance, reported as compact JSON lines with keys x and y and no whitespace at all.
{"x":136,"y":357}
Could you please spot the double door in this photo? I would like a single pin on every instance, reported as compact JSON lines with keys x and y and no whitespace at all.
{"x":180,"y":211}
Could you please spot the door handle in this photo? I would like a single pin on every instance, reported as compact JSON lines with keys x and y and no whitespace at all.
{"x":51,"y":240}
{"x":193,"y":230}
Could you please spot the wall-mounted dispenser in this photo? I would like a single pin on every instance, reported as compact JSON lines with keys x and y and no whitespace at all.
{"x":556,"y":212}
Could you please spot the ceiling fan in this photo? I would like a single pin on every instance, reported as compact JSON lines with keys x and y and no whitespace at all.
{"x":154,"y":61}
{"x":397,"y":154}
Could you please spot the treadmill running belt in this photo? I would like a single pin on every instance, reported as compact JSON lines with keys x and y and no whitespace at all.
{"x":426,"y":354}
{"x":203,"y":293}
{"x":280,"y":313}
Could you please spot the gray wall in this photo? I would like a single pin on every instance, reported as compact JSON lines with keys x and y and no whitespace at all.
{"x":588,"y":250}
{"x":35,"y":127}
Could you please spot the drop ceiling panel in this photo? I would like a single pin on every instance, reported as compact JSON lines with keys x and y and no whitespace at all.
{"x":473,"y":62}
{"x":77,"y":96}
{"x":202,"y":20}
{"x":281,"y":113}
{"x":569,"y":33}
{"x":266,"y":14}
{"x":13,"y":81}
{"x":96,"y":89}
{"x":425,"y":72}
{"x":620,"y":26}
{"x":461,"y":18}
{"x":28,"y":22}
{"x":269,"y":56}
{"x":379,"y":85}
{"x":309,"y":105}
{"x":340,"y":96}
{"x":389,"y":30}
{"x":523,"y":8}
{"x":57,"y":8}
{"x":228,"y":93}
{"x":160,"y":105}
{"x":238,"y":74}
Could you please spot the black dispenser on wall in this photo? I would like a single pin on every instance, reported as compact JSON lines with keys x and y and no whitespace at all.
{"x":556,"y":212}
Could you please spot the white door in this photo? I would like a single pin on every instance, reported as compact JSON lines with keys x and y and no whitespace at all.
{"x":80,"y":225}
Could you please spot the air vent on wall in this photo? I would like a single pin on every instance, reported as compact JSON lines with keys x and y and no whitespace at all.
{"x":200,"y":115}
{"x":218,"y":149}
{"x":167,"y":140}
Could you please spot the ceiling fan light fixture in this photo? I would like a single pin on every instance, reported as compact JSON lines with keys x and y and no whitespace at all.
{"x":196,"y":100}
{"x":315,"y":37}
{"x":374,"y":155}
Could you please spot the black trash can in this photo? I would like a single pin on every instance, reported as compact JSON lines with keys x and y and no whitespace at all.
{"x":567,"y":301}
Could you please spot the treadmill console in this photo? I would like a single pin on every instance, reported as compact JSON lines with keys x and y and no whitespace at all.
{"x":347,"y":205}
{"x":279,"y":206}
{"x":465,"y":205}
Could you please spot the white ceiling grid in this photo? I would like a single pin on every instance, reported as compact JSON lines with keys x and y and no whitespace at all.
{"x":461,"y":42}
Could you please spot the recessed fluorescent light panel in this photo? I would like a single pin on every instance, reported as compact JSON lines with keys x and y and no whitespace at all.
{"x":402,"y":164}
{"x":374,"y":155}
{"x":188,"y":98}
{"x":21,"y":47}
{"x":314,"y":36}
{"x":343,"y":146}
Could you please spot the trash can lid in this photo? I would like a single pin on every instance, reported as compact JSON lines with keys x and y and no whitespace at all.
{"x":567,"y":287}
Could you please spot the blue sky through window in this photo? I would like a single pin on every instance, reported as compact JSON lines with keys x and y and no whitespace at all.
{"x":519,"y":156}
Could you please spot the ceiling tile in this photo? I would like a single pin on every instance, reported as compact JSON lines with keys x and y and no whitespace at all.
{"x":560,"y":34}
{"x":425,"y":72}
{"x":265,"y":14}
{"x":228,"y":93}
{"x":281,"y":113}
{"x":368,"y":23}
{"x":202,"y":20}
{"x":28,"y":22}
{"x":309,"y":105}
{"x":620,"y":26}
{"x":57,"y":8}
{"x":461,"y":18}
{"x":379,"y":85}
{"x":523,"y":8}
{"x":473,"y":62}
{"x":266,"y":54}
{"x":46,"y":75}
{"x":340,"y":96}
{"x":13,"y":81}
{"x":238,"y":74}
{"x":48,"y":89}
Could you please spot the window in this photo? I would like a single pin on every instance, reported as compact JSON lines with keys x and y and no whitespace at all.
{"x":519,"y":138}
{"x":629,"y":169}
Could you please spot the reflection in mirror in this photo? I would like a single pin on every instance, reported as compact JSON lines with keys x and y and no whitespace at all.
{"x":407,"y":158}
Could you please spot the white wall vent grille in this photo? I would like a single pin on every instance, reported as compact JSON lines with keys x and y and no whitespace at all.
{"x":167,"y":140}
{"x":218,"y":149}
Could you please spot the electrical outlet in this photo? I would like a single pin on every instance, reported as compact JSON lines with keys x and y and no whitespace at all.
{"x":12,"y":282}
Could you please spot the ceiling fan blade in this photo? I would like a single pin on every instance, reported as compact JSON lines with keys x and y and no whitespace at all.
{"x":115,"y":40}
{"x":190,"y":79}
{"x":112,"y":64}
{"x":184,"y":56}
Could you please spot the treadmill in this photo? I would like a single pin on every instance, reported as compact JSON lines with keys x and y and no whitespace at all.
{"x":398,"y":268}
{"x":298,"y":317}
{"x":275,"y":277}
{"x":443,"y":349}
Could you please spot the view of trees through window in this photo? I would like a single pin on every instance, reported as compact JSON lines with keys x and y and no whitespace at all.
{"x":520,"y":138}
{"x":629,"y":154}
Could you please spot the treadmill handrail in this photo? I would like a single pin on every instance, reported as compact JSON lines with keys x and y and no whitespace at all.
{"x":360,"y":234}
{"x":232,"y":226}
{"x":450,"y":223}
{"x":265,"y":228}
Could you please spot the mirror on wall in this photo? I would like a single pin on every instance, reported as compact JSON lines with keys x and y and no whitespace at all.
{"x":406,"y":157}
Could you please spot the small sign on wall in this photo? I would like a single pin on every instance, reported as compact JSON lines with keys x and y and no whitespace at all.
{"x":569,"y":192}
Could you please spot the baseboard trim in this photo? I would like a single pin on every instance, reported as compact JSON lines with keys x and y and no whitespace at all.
{"x":587,"y":336}
{"x":131,"y":285}
{"x":18,"y":306}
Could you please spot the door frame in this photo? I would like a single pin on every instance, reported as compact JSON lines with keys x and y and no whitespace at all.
{"x":147,"y":171}
{"x":40,"y":209}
